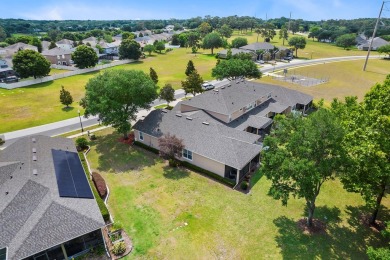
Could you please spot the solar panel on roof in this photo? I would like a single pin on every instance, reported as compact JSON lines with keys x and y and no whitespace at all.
{"x":71,"y":179}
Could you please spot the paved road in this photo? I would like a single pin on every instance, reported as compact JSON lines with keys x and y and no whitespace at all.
{"x":74,"y":123}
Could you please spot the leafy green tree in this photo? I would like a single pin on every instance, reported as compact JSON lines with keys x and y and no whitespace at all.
{"x":314,"y":31}
{"x":204,"y":28}
{"x":367,"y":144}
{"x":193,"y":83}
{"x":117,"y":95}
{"x":268,"y":31}
{"x":85,"y":57}
{"x":167,"y":93}
{"x":381,"y":253}
{"x":346,"y":40}
{"x":193,"y":39}
{"x":226,"y":31}
{"x":3,"y":34}
{"x":384,"y":49}
{"x":258,"y":32}
{"x":239,"y":42}
{"x":153,"y":75}
{"x":236,"y":68}
{"x":37,"y":43}
{"x":52,"y":45}
{"x":160,"y":46}
{"x":190,"y":68}
{"x":65,"y":97}
{"x":298,"y":42}
{"x":283,"y":34}
{"x":55,"y":35}
{"x":129,"y":49}
{"x":149,"y":48}
{"x":127,"y":35}
{"x":100,"y":48}
{"x":29,"y":63}
{"x":294,"y":26}
{"x":211,"y":41}
{"x":302,"y":153}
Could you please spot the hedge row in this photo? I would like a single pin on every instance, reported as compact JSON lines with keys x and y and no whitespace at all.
{"x":100,"y":202}
{"x":100,"y":184}
{"x":146,"y":147}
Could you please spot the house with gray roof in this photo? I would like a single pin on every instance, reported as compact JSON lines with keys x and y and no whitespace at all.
{"x":223,"y":54}
{"x":47,"y":208}
{"x":222,"y":130}
{"x":65,"y":44}
{"x":376,"y":43}
{"x":263,"y":46}
{"x":59,"y":56}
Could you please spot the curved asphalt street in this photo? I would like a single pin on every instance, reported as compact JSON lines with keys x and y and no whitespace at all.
{"x":73,"y":124}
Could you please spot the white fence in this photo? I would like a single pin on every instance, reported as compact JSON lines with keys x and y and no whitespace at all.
{"x":62,"y":75}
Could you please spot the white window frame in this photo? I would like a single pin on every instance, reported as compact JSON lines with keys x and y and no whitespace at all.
{"x":141,"y":136}
{"x":186,"y":153}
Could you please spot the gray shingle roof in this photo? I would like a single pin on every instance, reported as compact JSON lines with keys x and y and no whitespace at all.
{"x":215,"y":141}
{"x":238,"y":95}
{"x":33,"y":217}
{"x":258,"y":46}
{"x":57,"y":51}
{"x":376,"y":43}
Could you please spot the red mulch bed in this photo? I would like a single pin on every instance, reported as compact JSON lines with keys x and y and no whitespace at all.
{"x":129,"y":140}
{"x":318,"y":227}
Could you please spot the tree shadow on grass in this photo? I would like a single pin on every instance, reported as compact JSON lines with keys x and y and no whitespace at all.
{"x":67,"y":109}
{"x":175,"y":173}
{"x":256,"y":178}
{"x":118,"y":157}
{"x":339,"y":241}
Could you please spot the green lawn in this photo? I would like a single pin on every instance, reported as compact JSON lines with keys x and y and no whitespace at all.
{"x":178,"y":214}
{"x":313,"y":49}
{"x":345,"y":78}
{"x":39,"y":104}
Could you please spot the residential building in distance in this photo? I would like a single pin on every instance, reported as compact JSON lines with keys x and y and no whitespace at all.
{"x":223,"y":129}
{"x":47,"y":208}
{"x":59,"y":56}
{"x":376,"y":43}
{"x":65,"y":44}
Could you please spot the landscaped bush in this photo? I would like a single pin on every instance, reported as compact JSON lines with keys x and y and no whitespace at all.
{"x":244,"y":185}
{"x":1,"y":141}
{"x":119,"y":248}
{"x":92,"y":137}
{"x":81,"y":143}
{"x":100,"y":184}
{"x":146,"y":147}
{"x":102,"y":207}
{"x":208,"y":173}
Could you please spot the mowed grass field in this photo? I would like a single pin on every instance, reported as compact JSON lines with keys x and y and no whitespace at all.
{"x":179,"y":214}
{"x":346,"y":78}
{"x":313,"y":49}
{"x":39,"y":104}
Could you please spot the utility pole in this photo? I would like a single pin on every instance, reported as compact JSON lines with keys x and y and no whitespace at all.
{"x":373,"y":36}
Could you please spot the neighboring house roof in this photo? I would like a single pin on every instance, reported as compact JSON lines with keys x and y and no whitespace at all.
{"x":90,"y":39}
{"x":106,"y":45}
{"x":65,"y":41}
{"x":215,"y":141}
{"x":10,"y":50}
{"x":258,"y":46}
{"x":377,"y":42}
{"x":361,"y":39}
{"x":234,"y":51}
{"x":33,"y":217}
{"x":57,"y":51}
{"x":241,"y":93}
{"x":45,"y":45}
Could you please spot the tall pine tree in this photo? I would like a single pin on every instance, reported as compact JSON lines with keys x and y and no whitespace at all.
{"x":190,"y":68}
{"x":65,"y":97}
{"x":153,"y":75}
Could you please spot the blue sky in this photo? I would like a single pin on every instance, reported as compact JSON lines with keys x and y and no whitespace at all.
{"x":158,"y":9}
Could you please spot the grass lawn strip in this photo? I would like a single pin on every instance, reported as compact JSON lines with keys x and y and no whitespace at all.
{"x":176,"y":213}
